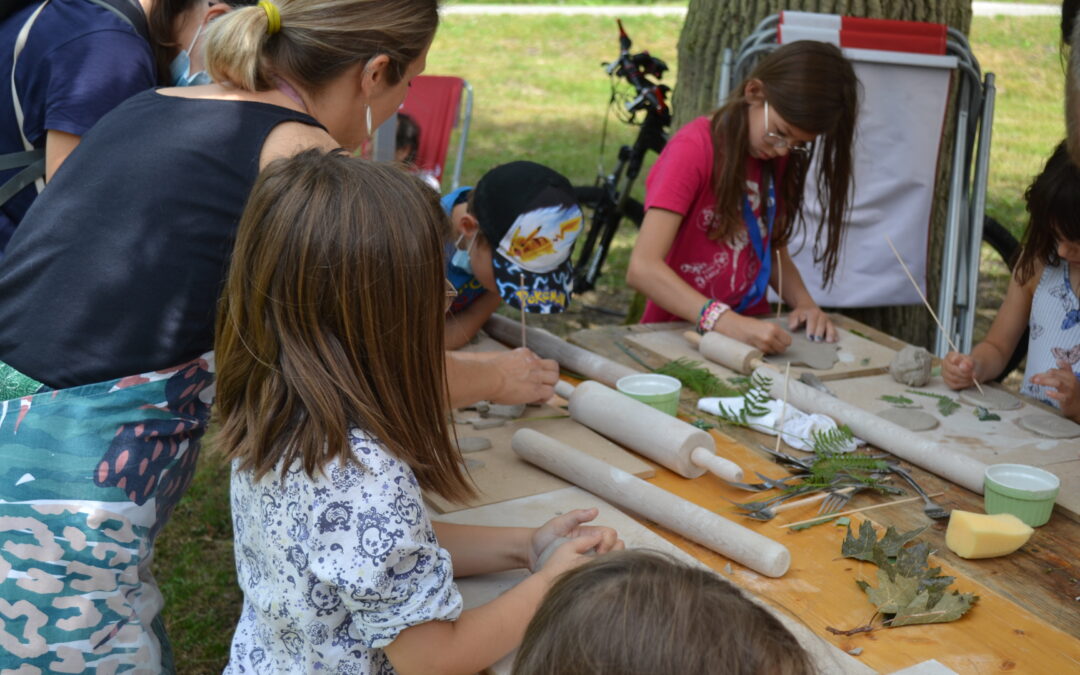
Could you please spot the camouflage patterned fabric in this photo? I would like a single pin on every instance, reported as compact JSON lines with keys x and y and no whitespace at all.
{"x":88,"y":476}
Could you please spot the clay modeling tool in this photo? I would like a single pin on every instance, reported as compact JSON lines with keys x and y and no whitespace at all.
{"x":918,"y":290}
{"x":905,"y":500}
{"x":521,"y":305}
{"x":814,"y":381}
{"x":934,"y":457}
{"x":779,"y":286}
{"x":663,"y":438}
{"x":759,"y":553}
{"x":544,"y":344}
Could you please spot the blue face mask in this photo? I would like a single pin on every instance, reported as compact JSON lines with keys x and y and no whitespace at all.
{"x":181,"y":66}
{"x":461,"y":259}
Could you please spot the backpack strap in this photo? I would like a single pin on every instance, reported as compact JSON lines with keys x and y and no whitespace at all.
{"x":131,"y":13}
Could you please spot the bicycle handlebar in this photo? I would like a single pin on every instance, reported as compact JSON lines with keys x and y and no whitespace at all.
{"x":635,"y":69}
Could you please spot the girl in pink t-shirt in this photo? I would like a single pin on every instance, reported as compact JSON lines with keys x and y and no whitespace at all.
{"x":718,"y":221}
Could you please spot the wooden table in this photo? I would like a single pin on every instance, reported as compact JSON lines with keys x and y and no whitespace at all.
{"x":1028,"y":615}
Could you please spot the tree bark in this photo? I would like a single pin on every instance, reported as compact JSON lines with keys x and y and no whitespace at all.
{"x":713,"y":25}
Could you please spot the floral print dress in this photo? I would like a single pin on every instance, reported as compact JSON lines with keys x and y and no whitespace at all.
{"x":334,"y":568}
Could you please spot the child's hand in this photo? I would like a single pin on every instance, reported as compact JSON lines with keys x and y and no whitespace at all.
{"x":818,"y":324}
{"x":571,"y":526}
{"x":768,"y":337}
{"x":1062,"y":386}
{"x":958,"y":370}
{"x":525,"y":377}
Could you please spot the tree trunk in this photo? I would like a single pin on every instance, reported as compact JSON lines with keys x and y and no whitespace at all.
{"x":713,"y":25}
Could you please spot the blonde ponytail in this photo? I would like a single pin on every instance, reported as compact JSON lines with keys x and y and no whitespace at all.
{"x":317,"y":40}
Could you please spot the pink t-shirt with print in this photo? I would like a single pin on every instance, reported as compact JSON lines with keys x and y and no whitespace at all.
{"x":681,"y":182}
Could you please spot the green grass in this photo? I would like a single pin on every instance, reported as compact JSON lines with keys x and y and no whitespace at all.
{"x":541,"y":95}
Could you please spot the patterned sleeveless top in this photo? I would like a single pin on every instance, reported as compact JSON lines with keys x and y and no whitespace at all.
{"x":1054,"y":341}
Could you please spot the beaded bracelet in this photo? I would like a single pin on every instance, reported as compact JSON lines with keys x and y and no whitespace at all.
{"x":711,"y":312}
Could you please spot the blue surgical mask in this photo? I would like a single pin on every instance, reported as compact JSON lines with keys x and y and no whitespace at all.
{"x":461,"y":259}
{"x":181,"y":66}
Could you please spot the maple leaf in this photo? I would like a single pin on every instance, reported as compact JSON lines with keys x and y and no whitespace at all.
{"x":924,"y":609}
{"x":862,"y":547}
{"x":892,"y":594}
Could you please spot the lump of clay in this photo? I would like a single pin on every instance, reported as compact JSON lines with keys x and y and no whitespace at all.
{"x":1051,"y":426}
{"x":911,"y":366}
{"x":472,"y":443}
{"x":912,"y":420}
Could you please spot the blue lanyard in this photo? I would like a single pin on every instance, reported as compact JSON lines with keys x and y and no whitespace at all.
{"x":761,"y":248}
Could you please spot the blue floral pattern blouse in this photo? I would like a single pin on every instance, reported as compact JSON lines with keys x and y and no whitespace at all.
{"x":334,"y":568}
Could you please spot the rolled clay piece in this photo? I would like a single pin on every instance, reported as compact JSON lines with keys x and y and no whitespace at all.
{"x":508,"y":412}
{"x":472,"y":444}
{"x":548,"y":346}
{"x":991,"y":399}
{"x":1051,"y":426}
{"x":759,"y":553}
{"x":911,"y":366}
{"x":912,"y":420}
{"x":804,"y":352}
{"x":663,"y":438}
{"x":934,"y":457}
{"x":487,"y":423}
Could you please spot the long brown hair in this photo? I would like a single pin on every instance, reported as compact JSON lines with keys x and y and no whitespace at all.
{"x":814,"y":88}
{"x":643,"y":612}
{"x":332,"y":317}
{"x":318,"y":40}
{"x":1053,"y":205}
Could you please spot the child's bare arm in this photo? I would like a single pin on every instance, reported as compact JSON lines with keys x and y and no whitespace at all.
{"x":989,"y":357}
{"x":461,"y":327}
{"x":516,"y":376}
{"x":483,"y":635}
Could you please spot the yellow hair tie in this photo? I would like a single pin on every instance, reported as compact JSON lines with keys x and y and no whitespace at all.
{"x":273,"y":16}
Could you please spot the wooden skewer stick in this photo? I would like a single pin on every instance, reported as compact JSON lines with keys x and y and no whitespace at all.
{"x":927,"y":303}
{"x":521,"y":305}
{"x":865,"y":508}
{"x":813,"y":499}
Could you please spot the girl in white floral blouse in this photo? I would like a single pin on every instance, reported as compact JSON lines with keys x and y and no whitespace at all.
{"x":332,"y":401}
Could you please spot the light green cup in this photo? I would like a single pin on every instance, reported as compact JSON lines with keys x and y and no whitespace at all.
{"x":1027,"y":492}
{"x":659,"y":391}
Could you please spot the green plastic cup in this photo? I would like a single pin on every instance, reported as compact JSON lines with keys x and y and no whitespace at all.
{"x":1027,"y":492}
{"x":659,"y":391}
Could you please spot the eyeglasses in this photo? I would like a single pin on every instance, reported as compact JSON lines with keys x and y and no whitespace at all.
{"x":780,"y":143}
{"x":451,"y":293}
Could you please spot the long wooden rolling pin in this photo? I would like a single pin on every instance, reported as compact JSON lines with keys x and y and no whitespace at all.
{"x":934,"y":457}
{"x":663,"y":438}
{"x":581,"y":361}
{"x":759,"y":553}
{"x":728,"y":352}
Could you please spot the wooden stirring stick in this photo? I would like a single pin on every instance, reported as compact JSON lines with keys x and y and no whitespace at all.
{"x":522,"y":293}
{"x":779,"y":286}
{"x":918,"y":290}
{"x":865,"y":508}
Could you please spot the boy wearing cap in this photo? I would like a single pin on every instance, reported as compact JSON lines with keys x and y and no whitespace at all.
{"x":516,"y":231}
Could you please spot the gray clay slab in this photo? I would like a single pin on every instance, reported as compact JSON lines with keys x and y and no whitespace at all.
{"x":991,"y":399}
{"x":913,"y":420}
{"x":1051,"y":426}
{"x":473,"y":443}
{"x":803,"y":352}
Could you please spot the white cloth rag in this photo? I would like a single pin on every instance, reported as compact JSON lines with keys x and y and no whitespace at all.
{"x":798,"y":426}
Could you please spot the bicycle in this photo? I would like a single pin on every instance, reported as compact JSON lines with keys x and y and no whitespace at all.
{"x":609,"y":197}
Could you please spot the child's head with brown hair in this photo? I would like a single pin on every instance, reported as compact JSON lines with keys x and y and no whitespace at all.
{"x":332,"y":317}
{"x":1053,"y":205}
{"x":641,"y":612}
{"x":810,"y":89}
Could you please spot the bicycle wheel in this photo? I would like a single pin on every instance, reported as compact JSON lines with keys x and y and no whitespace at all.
{"x":1007,"y":247}
{"x":602,"y":222}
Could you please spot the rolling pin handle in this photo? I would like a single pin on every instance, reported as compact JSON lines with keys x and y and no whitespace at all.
{"x":564,"y":389}
{"x":692,"y":337}
{"x":723,"y":468}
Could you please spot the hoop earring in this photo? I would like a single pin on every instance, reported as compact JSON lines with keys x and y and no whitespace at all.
{"x":367,"y":116}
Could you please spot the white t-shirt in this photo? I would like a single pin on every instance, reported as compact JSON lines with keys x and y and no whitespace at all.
{"x":333,"y":569}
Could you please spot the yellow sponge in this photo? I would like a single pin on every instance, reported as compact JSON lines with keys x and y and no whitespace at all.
{"x":974,"y":535}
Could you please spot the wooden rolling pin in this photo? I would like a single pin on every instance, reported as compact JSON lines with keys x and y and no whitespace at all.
{"x":934,"y":457}
{"x":728,"y":352}
{"x":663,"y":438}
{"x":573,"y":358}
{"x":759,"y":553}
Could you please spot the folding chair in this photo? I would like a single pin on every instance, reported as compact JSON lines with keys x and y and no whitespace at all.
{"x":906,"y":70}
{"x":435,"y":103}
